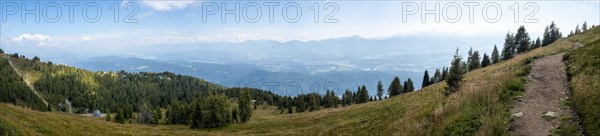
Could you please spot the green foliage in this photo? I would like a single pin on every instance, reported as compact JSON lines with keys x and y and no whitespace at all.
{"x":7,"y":130}
{"x":363,"y":95}
{"x":455,"y":74}
{"x":473,"y":60}
{"x":379,"y":90}
{"x":509,"y":49}
{"x":551,"y":34}
{"x":485,"y":61}
{"x":522,"y":40}
{"x":408,"y":86}
{"x":215,"y":111}
{"x":120,"y":118}
{"x":14,"y":90}
{"x":244,"y":106}
{"x":426,"y":79}
{"x":467,"y":124}
{"x":395,"y":87}
{"x":495,"y":55}
{"x":584,"y":74}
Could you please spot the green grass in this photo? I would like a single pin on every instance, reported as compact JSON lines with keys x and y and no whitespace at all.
{"x":481,"y":107}
{"x":584,"y":74}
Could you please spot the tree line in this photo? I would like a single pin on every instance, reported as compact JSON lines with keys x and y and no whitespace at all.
{"x":514,"y":43}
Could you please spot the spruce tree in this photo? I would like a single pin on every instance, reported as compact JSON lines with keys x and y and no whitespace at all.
{"x":455,"y":74}
{"x":426,"y":79}
{"x":522,"y":40}
{"x":196,"y":116}
{"x":495,"y":55}
{"x":577,"y":31}
{"x":546,"y":36}
{"x":444,"y":73}
{"x":437,"y":77}
{"x":474,"y":61}
{"x":408,"y":86}
{"x":395,"y":87}
{"x":508,"y":51}
{"x":584,"y":27}
{"x":120,"y":118}
{"x":485,"y":61}
{"x":379,"y":90}
{"x":244,"y":106}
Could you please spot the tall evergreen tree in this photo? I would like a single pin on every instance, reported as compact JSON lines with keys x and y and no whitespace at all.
{"x":474,"y":61}
{"x":444,"y":73}
{"x":455,"y":74}
{"x":363,"y":95}
{"x":509,"y":43}
{"x":408,"y":86}
{"x":577,"y":31}
{"x":546,"y":36}
{"x":120,"y":118}
{"x":244,"y":105}
{"x":584,"y":27}
{"x":536,"y":44}
{"x":495,"y":55}
{"x":554,"y":33}
{"x":395,"y":87}
{"x":437,"y":77}
{"x":379,"y":90}
{"x":426,"y":79}
{"x":300,"y":103}
{"x":347,"y":98}
{"x":522,"y":40}
{"x":196,"y":116}
{"x":485,"y":61}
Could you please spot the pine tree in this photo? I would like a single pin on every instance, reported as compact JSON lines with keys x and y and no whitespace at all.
{"x":395,"y":87}
{"x":244,"y":106}
{"x":215,"y":111}
{"x":536,"y":44}
{"x":444,"y":73}
{"x":455,"y":74}
{"x":347,"y":98}
{"x":300,"y":103}
{"x":554,"y":33}
{"x":363,"y":95}
{"x":577,"y":31}
{"x":485,"y":61}
{"x":584,"y":27}
{"x":289,"y":105}
{"x":408,"y":86}
{"x":313,"y":102}
{"x":546,"y":36}
{"x":495,"y":55}
{"x":508,"y":51}
{"x":437,"y":77}
{"x":379,"y":90}
{"x":426,"y":79}
{"x":196,"y":116}
{"x":474,"y":61}
{"x":120,"y":118}
{"x":522,"y":40}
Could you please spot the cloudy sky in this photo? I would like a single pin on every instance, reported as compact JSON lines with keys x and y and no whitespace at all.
{"x":157,"y":22}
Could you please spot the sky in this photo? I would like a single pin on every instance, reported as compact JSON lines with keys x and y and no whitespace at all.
{"x":112,"y":24}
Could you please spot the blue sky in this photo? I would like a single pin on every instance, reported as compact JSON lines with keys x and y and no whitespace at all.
{"x":181,"y":22}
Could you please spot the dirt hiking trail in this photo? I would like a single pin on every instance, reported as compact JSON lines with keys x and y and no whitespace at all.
{"x":537,"y":111}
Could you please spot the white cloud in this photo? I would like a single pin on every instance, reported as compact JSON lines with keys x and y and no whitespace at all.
{"x":26,"y":38}
{"x":166,"y":5}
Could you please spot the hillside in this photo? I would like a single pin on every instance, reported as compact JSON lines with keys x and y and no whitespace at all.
{"x":481,"y":107}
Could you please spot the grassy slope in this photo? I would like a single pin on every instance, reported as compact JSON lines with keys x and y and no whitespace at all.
{"x":584,"y":73}
{"x":481,"y":107}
